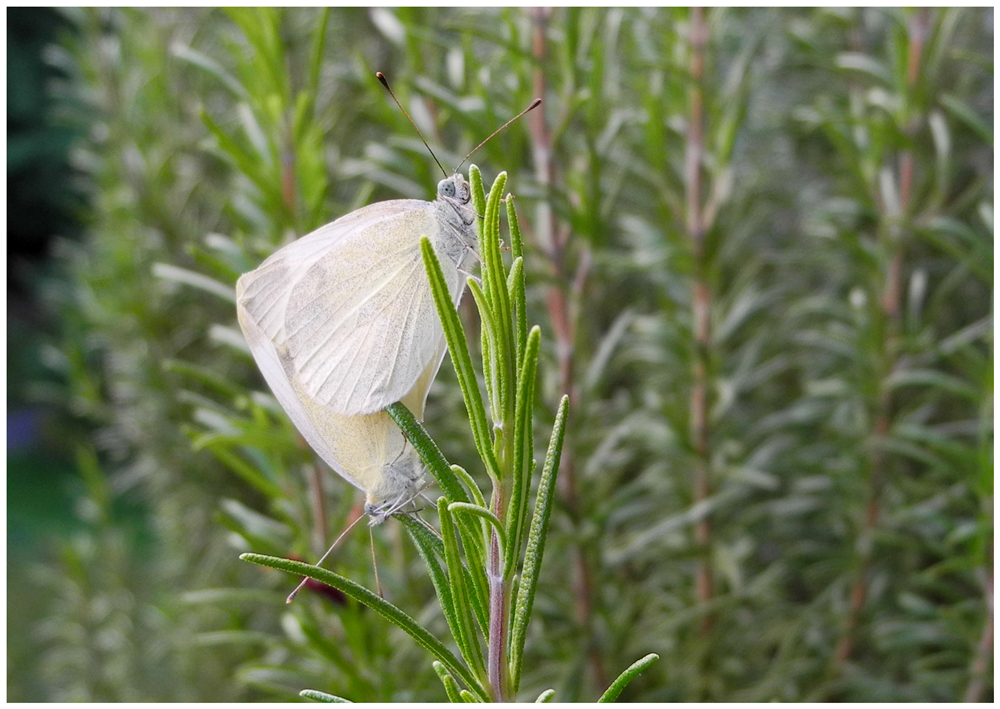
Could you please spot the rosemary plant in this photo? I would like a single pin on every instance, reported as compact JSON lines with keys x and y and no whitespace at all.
{"x":485,"y":561}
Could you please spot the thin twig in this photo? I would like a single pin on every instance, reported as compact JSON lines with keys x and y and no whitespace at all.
{"x":496,"y":666}
{"x":984,"y":649}
{"x":702,"y":306}
{"x":564,"y":291}
{"x":891,"y":308}
{"x":318,"y":505}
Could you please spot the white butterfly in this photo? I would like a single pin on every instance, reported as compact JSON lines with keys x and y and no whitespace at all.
{"x":342,"y":323}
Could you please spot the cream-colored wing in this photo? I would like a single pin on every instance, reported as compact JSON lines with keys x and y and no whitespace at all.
{"x":359,"y":448}
{"x":264,"y":292}
{"x":276,"y":374}
{"x":360,"y":323}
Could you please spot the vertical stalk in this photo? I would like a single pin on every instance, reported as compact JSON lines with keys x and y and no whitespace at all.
{"x":891,"y":305}
{"x":318,"y":506}
{"x":984,"y":649}
{"x":553,"y":242}
{"x":701,"y":304}
{"x":499,"y":587}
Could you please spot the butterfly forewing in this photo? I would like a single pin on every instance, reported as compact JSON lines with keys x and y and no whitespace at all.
{"x":352,"y":305}
{"x":360,"y":323}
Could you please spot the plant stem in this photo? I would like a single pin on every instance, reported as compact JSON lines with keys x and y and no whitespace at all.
{"x":702,"y":304}
{"x":318,"y":506}
{"x":499,"y":587}
{"x":891,"y":304}
{"x":984,"y":649}
{"x":553,"y":242}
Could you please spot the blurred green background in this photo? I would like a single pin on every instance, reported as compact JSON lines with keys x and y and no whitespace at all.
{"x":761,"y":253}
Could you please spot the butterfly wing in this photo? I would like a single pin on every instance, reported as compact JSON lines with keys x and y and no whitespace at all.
{"x":358,"y":448}
{"x":277,"y":370}
{"x":360,"y":321}
{"x":263,"y":293}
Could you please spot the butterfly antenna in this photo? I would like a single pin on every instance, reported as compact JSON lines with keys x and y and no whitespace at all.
{"x":385,"y":82}
{"x":378,"y":583}
{"x":293,"y":594}
{"x":534,"y":104}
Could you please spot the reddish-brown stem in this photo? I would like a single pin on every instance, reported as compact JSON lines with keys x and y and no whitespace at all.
{"x":564,"y":291}
{"x":288,"y":174}
{"x":984,"y":649}
{"x":496,"y":667}
{"x":891,"y":303}
{"x":702,"y":307}
{"x":318,"y":506}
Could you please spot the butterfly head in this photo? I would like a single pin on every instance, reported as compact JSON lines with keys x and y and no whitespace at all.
{"x":455,"y":189}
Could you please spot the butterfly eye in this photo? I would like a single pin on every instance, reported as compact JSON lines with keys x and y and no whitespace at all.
{"x":446,"y":188}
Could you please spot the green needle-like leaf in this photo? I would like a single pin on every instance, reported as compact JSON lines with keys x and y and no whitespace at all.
{"x":478,"y":195}
{"x":450,"y":685}
{"x":495,"y":287}
{"x":471,"y":529}
{"x":515,"y":287}
{"x":516,"y":242}
{"x":633,"y":671}
{"x":387,"y":610}
{"x":458,"y":347}
{"x":536,"y":544}
{"x":517,"y":511}
{"x":482,"y":513}
{"x":430,"y":548}
{"x":546,"y":697}
{"x":318,"y":696}
{"x":428,"y":451}
{"x":470,"y":484}
{"x":465,"y":632}
{"x":491,"y":343}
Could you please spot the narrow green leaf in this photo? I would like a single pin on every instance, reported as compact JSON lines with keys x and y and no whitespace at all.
{"x":633,"y":671}
{"x":515,"y":288}
{"x":468,"y":697}
{"x":475,"y":579}
{"x":203,"y":61}
{"x":255,"y":170}
{"x":169,"y":272}
{"x":516,"y":242}
{"x":433,"y":544}
{"x":428,"y":451}
{"x":316,"y":55}
{"x":246,"y":471}
{"x":381,"y":606}
{"x":487,"y":344}
{"x":470,"y":484}
{"x":481,"y":513}
{"x":546,"y":697}
{"x":450,"y":685}
{"x":450,"y":486}
{"x":458,"y":347}
{"x":495,"y":287}
{"x":478,"y":196}
{"x":430,"y":548}
{"x":517,"y":511}
{"x":964,"y":113}
{"x":491,"y":342}
{"x":318,"y":696}
{"x":536,"y":543}
{"x":207,"y":376}
{"x":465,"y":637}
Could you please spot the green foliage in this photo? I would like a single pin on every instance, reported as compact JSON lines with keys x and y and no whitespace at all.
{"x":842,"y":180}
